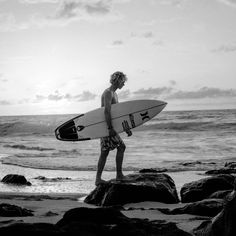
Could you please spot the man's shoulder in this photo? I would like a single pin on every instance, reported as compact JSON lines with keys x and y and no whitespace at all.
{"x":107,"y":92}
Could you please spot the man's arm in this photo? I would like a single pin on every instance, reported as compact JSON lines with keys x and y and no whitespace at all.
{"x":107,"y":112}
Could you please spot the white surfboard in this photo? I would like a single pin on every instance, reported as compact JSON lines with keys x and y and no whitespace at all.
{"x":92,"y":125}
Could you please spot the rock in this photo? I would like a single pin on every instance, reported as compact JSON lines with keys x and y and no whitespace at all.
{"x":94,"y":222}
{"x":152,"y":170}
{"x":15,"y":179}
{"x":231,"y":165}
{"x":223,"y":224}
{"x":109,"y":221}
{"x":29,"y":229}
{"x":220,"y":194}
{"x":207,"y":207}
{"x":8,"y":210}
{"x":221,"y":171}
{"x":137,"y":188}
{"x":203,"y":188}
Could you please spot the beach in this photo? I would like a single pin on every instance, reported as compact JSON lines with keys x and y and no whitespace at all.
{"x":50,"y":208}
{"x":181,"y":144}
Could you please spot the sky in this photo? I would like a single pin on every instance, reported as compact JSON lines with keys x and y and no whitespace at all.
{"x":56,"y":56}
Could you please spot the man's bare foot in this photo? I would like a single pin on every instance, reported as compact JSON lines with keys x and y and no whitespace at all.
{"x":121,"y":177}
{"x":100,"y":181}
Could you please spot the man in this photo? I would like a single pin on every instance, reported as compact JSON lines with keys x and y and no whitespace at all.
{"x":113,"y":141}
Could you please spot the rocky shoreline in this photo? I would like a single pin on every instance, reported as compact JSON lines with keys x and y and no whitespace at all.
{"x":146,"y":203}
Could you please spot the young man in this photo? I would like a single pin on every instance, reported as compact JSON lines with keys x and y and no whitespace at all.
{"x":113,"y":141}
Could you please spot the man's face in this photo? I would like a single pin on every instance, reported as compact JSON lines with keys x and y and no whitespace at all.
{"x":121,"y":84}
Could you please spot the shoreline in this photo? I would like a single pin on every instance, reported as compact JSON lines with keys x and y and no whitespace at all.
{"x":50,"y":208}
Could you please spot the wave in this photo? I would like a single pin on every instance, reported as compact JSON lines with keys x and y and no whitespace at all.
{"x":169,"y":121}
{"x":189,"y":126}
{"x":23,"y":147}
{"x":164,"y":166}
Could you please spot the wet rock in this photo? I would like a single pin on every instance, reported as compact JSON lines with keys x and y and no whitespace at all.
{"x":220,"y":194}
{"x":8,"y":210}
{"x":222,"y":224}
{"x":109,"y":221}
{"x":15,"y":179}
{"x":152,"y":170}
{"x":203,"y":188}
{"x":207,"y":207}
{"x":221,"y":171}
{"x":137,"y":188}
{"x":29,"y":229}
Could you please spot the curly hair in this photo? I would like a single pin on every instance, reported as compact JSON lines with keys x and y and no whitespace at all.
{"x":118,"y":75}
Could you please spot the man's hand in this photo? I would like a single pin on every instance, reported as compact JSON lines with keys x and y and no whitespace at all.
{"x":128,"y":132}
{"x":112,"y":132}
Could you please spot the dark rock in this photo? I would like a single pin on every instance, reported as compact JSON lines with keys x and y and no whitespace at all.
{"x":207,"y":207}
{"x":231,"y":165}
{"x":94,"y":222}
{"x":221,"y":171}
{"x":220,"y":194}
{"x":8,"y":210}
{"x":201,"y":189}
{"x":45,"y":179}
{"x":192,"y":163}
{"x":137,"y":188}
{"x":152,"y":170}
{"x":29,"y":229}
{"x":15,"y":179}
{"x":108,"y":221}
{"x":223,"y":224}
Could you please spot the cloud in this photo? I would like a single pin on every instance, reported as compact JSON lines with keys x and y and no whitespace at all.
{"x":56,"y":96}
{"x":176,"y":3}
{"x":124,"y":94}
{"x":86,"y":96}
{"x":147,"y":35}
{"x":231,"y":3}
{"x":4,"y":102}
{"x":2,"y":79}
{"x":225,"y":48}
{"x":65,"y":11}
{"x":85,"y":10}
{"x":204,"y":92}
{"x":153,"y":91}
{"x":117,"y":43}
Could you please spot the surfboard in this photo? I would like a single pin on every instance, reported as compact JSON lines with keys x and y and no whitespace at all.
{"x":125,"y":115}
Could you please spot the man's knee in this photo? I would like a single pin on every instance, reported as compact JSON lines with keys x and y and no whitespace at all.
{"x":121,"y":148}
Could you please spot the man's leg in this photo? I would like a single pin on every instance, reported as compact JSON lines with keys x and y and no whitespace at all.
{"x":119,"y":161}
{"x":100,"y":166}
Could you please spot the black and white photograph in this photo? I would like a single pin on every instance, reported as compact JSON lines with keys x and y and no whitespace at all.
{"x":118,"y":117}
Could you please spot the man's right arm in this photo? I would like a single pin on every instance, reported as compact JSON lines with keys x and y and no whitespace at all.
{"x":107,"y":112}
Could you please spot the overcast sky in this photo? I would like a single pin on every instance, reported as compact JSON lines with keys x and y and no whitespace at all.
{"x":56,"y":56}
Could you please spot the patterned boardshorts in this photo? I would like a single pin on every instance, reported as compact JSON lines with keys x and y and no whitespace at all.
{"x":110,"y":143}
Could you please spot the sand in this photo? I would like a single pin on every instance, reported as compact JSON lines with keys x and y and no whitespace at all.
{"x":50,"y":208}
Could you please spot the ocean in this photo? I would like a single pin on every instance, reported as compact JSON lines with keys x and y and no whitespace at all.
{"x":174,"y":140}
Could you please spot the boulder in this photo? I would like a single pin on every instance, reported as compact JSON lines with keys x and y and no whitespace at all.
{"x":8,"y":210}
{"x":29,"y":229}
{"x":220,"y":194}
{"x":207,"y":207}
{"x":15,"y":179}
{"x":221,"y":171}
{"x":139,"y":187}
{"x":94,"y":222}
{"x":222,"y":224}
{"x":110,"y":221}
{"x":203,"y":188}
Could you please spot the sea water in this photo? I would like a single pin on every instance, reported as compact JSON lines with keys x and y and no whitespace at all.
{"x":174,"y":140}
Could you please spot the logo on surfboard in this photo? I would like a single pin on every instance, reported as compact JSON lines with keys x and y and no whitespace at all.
{"x":145,"y":115}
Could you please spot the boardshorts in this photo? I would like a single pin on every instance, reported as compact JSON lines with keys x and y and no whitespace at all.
{"x":110,"y":143}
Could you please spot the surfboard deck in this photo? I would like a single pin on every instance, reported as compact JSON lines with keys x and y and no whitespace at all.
{"x":125,"y":115}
